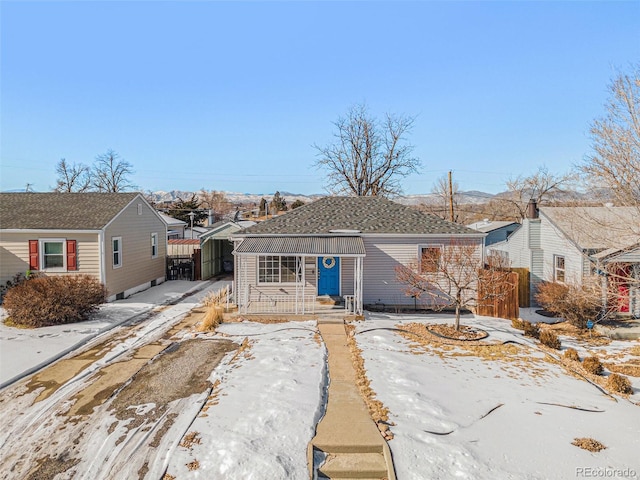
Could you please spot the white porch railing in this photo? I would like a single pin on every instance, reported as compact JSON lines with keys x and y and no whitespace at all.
{"x":262,"y":303}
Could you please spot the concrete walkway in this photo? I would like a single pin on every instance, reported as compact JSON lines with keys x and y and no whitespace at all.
{"x":347,"y":436}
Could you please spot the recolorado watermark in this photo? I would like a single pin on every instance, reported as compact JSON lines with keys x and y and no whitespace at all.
{"x":605,"y":472}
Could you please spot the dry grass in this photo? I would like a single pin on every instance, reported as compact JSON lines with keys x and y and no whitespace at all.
{"x":592,"y":365}
{"x":572,"y":354}
{"x":212,"y":318}
{"x":273,"y":318}
{"x":190,"y":439}
{"x":630,"y":369}
{"x":195,"y":465}
{"x":588,"y":444}
{"x":168,"y":476}
{"x":588,"y":337}
{"x":550,"y":339}
{"x":379,"y":413}
{"x":635,"y":350}
{"x":619,"y":384}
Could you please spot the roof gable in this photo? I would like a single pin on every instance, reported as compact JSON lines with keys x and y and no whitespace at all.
{"x":61,"y":211}
{"x":596,"y":228}
{"x":349,"y":215}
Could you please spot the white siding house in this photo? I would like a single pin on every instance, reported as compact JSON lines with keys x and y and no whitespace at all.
{"x":338,"y":247}
{"x":566,"y":244}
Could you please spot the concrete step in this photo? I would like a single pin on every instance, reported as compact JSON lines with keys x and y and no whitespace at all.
{"x":370,"y":447}
{"x":354,"y":465}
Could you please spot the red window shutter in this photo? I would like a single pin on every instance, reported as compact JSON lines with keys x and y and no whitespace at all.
{"x":72,"y":256}
{"x":33,"y":255}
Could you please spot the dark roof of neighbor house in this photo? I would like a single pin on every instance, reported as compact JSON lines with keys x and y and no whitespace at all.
{"x":349,"y":215}
{"x":61,"y":211}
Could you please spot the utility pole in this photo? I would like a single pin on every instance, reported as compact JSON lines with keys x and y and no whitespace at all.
{"x":450,"y":197}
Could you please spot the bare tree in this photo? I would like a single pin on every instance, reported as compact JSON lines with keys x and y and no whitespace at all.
{"x":441,"y":190}
{"x":216,"y":201}
{"x":111,"y":173}
{"x":72,"y":178}
{"x":615,"y":162}
{"x":539,"y":187}
{"x":450,"y":277}
{"x":368,"y":157}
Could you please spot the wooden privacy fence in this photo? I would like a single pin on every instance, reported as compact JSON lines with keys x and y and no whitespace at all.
{"x":499,"y":299}
{"x":523,"y":286}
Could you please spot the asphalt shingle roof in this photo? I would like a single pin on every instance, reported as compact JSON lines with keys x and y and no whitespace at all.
{"x":361,"y":214}
{"x":60,"y":211}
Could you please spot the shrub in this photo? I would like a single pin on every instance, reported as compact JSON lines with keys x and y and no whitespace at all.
{"x":17,"y":279}
{"x":517,"y":323}
{"x":592,"y":365}
{"x":550,"y":339}
{"x":45,"y":301}
{"x":575,"y":303}
{"x":571,"y":354}
{"x":531,"y":330}
{"x":214,"y":315}
{"x":619,"y":384}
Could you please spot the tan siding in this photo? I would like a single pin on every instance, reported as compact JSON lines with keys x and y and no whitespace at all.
{"x":138,"y":268}
{"x":14,"y":253}
{"x":384,"y":254}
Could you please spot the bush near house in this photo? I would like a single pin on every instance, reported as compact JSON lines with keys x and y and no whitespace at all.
{"x":46,"y":301}
{"x":17,"y":279}
{"x":571,"y":354}
{"x":575,"y":303}
{"x":531,"y":330}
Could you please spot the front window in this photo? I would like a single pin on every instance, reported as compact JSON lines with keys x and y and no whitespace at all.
{"x":117,"y":251}
{"x":559,"y":269}
{"x":430,"y":259}
{"x":53,"y":254}
{"x":272,"y":269}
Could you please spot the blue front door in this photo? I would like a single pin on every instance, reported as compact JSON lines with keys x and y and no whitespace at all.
{"x":328,"y":276}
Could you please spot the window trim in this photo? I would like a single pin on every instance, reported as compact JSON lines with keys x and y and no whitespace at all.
{"x":279,"y":264}
{"x":557,"y":269}
{"x":424,"y":246}
{"x":42,"y":254}
{"x":113,"y":252}
{"x":154,"y":245}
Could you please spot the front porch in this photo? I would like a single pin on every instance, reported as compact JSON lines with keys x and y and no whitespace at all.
{"x":289,"y":274}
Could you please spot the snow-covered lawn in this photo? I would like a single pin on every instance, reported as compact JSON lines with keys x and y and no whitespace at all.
{"x":503,"y":408}
{"x":264,"y":407}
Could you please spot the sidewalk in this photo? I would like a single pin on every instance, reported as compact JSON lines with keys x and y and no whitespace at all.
{"x":347,"y":437}
{"x":24,"y":351}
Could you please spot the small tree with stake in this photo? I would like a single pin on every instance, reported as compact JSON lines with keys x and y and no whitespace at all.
{"x":450,"y":276}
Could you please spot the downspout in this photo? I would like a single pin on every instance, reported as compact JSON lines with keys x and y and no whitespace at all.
{"x":102,"y":249}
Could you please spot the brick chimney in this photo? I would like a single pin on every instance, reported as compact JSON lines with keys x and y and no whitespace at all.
{"x":532,"y":209}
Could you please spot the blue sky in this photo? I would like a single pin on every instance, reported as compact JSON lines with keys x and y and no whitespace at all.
{"x":232,"y":95}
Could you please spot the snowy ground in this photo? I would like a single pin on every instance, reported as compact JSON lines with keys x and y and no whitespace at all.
{"x":263,"y":409}
{"x":257,"y":419}
{"x":431,"y":391}
{"x":23,"y":351}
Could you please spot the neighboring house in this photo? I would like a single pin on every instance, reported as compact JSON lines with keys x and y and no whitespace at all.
{"x":175,"y":227}
{"x":566,"y":244}
{"x":337,"y":246}
{"x":116,"y":237}
{"x":497,"y":231}
{"x":195,"y":233}
{"x":217,"y":249}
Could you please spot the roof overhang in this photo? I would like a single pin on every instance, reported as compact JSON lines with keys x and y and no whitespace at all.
{"x":339,"y":246}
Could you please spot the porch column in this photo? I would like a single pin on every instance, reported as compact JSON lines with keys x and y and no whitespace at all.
{"x":357,"y":287}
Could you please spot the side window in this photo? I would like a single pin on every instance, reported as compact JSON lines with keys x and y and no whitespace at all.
{"x":558,"y":268}
{"x":430,"y":258}
{"x":116,"y":243}
{"x":154,"y":245}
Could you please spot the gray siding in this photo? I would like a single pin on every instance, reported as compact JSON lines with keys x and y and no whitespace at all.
{"x":384,"y":254}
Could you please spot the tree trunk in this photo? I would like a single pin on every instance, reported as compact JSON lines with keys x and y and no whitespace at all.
{"x":457,"y":316}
